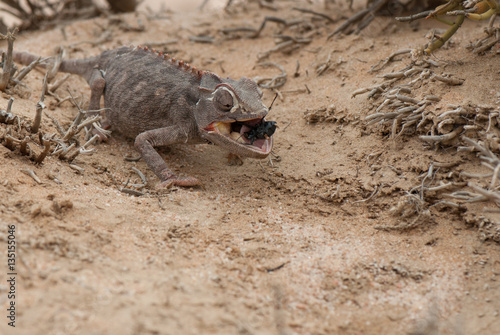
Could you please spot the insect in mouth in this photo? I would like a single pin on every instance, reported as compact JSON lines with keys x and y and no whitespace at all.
{"x":261,"y":131}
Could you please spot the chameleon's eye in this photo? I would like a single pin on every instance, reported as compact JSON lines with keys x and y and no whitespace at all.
{"x":223,"y":100}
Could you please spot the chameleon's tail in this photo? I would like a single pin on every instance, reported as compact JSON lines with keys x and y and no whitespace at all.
{"x":24,"y":58}
{"x":75,"y":66}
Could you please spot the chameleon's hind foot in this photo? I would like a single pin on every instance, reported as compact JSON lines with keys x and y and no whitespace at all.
{"x":177,"y":181}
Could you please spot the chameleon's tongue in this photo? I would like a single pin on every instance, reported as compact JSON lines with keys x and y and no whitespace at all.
{"x":244,"y":129}
{"x":260,"y":143}
{"x":240,"y":136}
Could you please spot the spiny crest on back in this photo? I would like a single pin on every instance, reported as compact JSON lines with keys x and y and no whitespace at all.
{"x":178,"y":63}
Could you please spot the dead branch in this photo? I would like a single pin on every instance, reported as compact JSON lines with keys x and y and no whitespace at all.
{"x":308,"y":11}
{"x":8,"y":69}
{"x":32,"y":174}
{"x":39,"y":159}
{"x":362,"y":18}
{"x":23,"y":146}
{"x":142,"y":176}
{"x":6,"y":116}
{"x":442,"y":138}
{"x":381,"y":64}
{"x":35,"y":14}
{"x":53,"y":87}
{"x":20,"y":76}
{"x":487,"y":194}
{"x":39,"y":108}
{"x":448,"y":80}
{"x":201,"y":39}
{"x":54,"y":69}
{"x":413,"y":17}
{"x":256,"y":32}
{"x":275,"y":82}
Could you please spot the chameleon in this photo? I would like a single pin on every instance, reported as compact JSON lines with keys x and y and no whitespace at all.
{"x":158,"y":101}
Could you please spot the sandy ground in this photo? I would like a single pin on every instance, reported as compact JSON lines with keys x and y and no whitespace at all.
{"x":282,"y":246}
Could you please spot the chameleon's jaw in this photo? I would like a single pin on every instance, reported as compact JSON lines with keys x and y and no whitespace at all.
{"x":231,"y":135}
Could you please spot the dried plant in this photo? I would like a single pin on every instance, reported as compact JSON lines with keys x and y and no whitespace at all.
{"x":460,"y":10}
{"x":35,"y":14}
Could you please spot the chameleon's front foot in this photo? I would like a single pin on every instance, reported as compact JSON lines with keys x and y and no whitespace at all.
{"x":102,"y":134}
{"x":177,"y":181}
{"x":100,"y":130}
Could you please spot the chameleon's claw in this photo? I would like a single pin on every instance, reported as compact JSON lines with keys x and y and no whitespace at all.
{"x":177,"y":181}
{"x":101,"y":137}
{"x":102,"y":132}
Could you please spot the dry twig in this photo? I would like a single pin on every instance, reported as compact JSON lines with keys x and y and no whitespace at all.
{"x":8,"y":68}
{"x":275,"y":82}
{"x":363,"y":18}
{"x":39,"y":108}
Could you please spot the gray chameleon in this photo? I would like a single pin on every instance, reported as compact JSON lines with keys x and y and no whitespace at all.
{"x":159,"y":101}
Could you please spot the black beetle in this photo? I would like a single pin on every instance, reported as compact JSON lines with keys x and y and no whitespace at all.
{"x":261,"y":131}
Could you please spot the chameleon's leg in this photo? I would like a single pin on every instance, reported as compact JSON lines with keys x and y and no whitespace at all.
{"x":145,"y":143}
{"x":97,"y":84}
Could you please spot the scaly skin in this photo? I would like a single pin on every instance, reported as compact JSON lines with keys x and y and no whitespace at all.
{"x":159,"y":101}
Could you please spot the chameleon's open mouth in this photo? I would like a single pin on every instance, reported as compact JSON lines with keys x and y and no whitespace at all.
{"x":254,"y":134}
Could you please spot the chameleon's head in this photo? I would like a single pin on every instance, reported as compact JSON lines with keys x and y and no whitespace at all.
{"x":231,"y":114}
